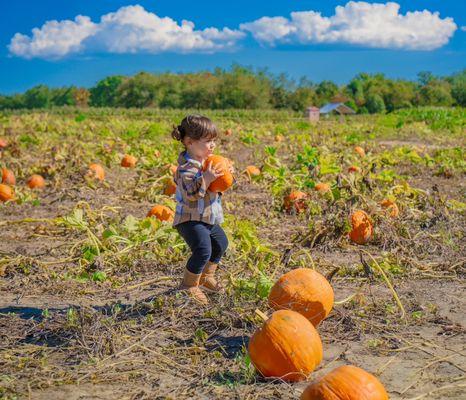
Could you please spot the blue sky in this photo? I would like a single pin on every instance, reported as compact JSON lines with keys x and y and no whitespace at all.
{"x":300,"y":38}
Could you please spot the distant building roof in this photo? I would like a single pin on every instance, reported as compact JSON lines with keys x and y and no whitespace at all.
{"x":340,"y":108}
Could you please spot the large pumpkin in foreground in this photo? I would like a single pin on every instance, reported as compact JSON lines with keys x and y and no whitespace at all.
{"x":287,"y":346}
{"x":225,"y":181}
{"x":361,"y":226}
{"x":346,"y":383}
{"x":305,"y":291}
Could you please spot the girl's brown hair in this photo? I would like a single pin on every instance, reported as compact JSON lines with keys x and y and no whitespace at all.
{"x":195,"y":127}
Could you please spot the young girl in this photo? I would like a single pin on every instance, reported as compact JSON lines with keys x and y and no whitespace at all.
{"x":198,"y":210}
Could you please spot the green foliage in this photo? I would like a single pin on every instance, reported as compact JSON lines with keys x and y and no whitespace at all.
{"x":375,"y":104}
{"x":253,"y":287}
{"x":309,"y":157}
{"x":104,"y":93}
{"x":241,"y":87}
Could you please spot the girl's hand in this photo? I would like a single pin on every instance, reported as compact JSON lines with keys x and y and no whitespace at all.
{"x":231,"y":169}
{"x":210,"y":174}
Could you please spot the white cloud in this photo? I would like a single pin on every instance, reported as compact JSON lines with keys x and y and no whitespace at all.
{"x":54,"y":39}
{"x":130,"y":29}
{"x":357,"y":23}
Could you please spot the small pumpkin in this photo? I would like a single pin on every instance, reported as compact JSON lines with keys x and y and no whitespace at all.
{"x":96,"y":171}
{"x":8,"y":177}
{"x":225,"y":181}
{"x":361,"y":225}
{"x":3,"y":143}
{"x":161,"y":212}
{"x":391,"y":207}
{"x":287,"y":346}
{"x":297,"y":200}
{"x":128,"y":161}
{"x":36,"y":182}
{"x":252,"y":170}
{"x":346,"y":383}
{"x":305,"y":291}
{"x":170,"y":188}
{"x":322,"y":187}
{"x":354,"y":169}
{"x":360,"y":151}
{"x":6,"y":192}
{"x":228,"y":132}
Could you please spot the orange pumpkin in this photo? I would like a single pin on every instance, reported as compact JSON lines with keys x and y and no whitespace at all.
{"x":3,"y":143}
{"x":128,"y":161}
{"x":305,"y":291}
{"x":252,"y":170}
{"x":360,"y":151}
{"x":346,"y":383}
{"x":36,"y":182}
{"x":8,"y":177}
{"x":287,"y":346}
{"x":162,"y":213}
{"x":170,"y":188}
{"x":322,"y":187}
{"x":354,"y":169}
{"x":6,"y":192}
{"x":224,"y":182}
{"x":96,"y":171}
{"x":295,"y":199}
{"x":391,"y":207}
{"x":361,"y":225}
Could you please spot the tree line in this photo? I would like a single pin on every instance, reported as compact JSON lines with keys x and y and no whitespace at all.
{"x":245,"y":88}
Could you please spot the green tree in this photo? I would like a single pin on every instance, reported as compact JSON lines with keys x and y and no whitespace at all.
{"x":375,"y":104}
{"x":63,"y":96}
{"x":104,"y":93}
{"x":138,"y":91}
{"x":436,"y":93}
{"x":425,"y":77}
{"x":458,"y":87}
{"x":13,"y":102}
{"x":302,"y":98}
{"x":242,"y":88}
{"x":325,"y":91}
{"x":400,"y":94}
{"x":37,"y":97}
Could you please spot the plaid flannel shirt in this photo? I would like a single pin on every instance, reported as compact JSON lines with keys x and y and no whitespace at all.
{"x":194,"y":202}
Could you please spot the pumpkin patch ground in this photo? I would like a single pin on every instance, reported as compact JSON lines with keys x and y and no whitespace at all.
{"x":88,"y":306}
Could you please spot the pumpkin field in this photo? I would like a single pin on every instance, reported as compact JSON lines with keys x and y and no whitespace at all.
{"x":367,"y":212}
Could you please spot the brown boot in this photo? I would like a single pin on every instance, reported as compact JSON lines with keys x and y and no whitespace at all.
{"x":190,"y":285}
{"x":208,"y":281}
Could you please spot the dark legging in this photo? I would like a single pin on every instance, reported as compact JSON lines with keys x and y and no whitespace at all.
{"x":207,"y":243}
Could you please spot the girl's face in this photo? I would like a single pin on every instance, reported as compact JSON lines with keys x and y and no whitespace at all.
{"x":201,"y":148}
